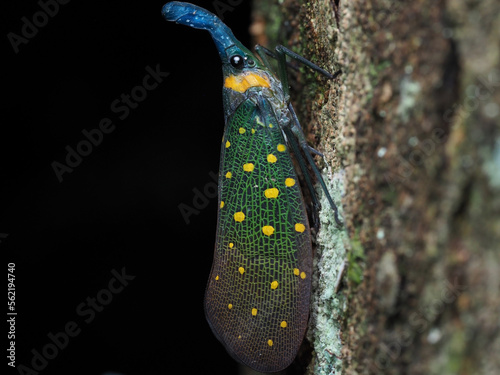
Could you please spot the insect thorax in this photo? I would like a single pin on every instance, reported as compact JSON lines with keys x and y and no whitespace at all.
{"x":255,"y":86}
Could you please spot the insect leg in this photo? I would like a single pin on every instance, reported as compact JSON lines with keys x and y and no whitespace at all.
{"x":285,"y":51}
{"x":292,"y":141}
{"x":263,"y":52}
{"x":298,"y":136}
{"x":280,"y":56}
{"x":296,"y":129}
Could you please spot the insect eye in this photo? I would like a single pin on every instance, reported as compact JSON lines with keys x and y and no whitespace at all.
{"x":251,"y":63}
{"x":237,"y":61}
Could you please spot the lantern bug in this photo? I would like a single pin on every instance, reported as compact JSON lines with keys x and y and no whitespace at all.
{"x":257,"y":297}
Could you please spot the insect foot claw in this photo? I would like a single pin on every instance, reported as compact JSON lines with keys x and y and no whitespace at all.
{"x":314,"y":151}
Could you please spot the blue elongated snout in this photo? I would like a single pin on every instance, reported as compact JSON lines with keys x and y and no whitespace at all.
{"x":199,"y":18}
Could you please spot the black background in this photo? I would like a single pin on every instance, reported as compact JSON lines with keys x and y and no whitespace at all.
{"x":119,"y":207}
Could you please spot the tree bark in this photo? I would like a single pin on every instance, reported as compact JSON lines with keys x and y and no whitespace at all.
{"x":410,"y":133}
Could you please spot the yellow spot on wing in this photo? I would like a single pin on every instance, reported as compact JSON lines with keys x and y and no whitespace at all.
{"x":271,"y":158}
{"x":241,"y":130}
{"x":221,"y":204}
{"x":281,"y":148}
{"x":270,"y":342}
{"x":283,"y":324}
{"x":248,"y":167}
{"x":241,"y":270}
{"x":289,"y":182}
{"x":302,"y":275}
{"x":267,"y":230}
{"x":230,"y":306}
{"x":296,"y":271}
{"x":271,"y":193}
{"x":217,"y":277}
{"x":231,"y":245}
{"x":300,"y":227}
{"x":229,"y":175}
{"x":228,"y":144}
{"x":239,"y":216}
{"x":274,"y":284}
{"x":242,"y":82}
{"x":254,"y":312}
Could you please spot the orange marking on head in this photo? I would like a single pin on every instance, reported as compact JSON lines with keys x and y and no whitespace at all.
{"x":244,"y":81}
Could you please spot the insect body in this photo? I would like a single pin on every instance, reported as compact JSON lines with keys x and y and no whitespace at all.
{"x":257,"y":297}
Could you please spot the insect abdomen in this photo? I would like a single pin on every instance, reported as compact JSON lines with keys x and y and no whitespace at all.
{"x":257,"y":298}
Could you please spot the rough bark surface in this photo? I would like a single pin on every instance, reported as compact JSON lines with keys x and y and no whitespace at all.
{"x":412,"y":131}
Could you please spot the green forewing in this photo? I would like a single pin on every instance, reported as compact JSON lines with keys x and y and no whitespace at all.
{"x":257,"y":298}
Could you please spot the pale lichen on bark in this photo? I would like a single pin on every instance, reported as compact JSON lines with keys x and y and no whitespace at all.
{"x":327,"y":306}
